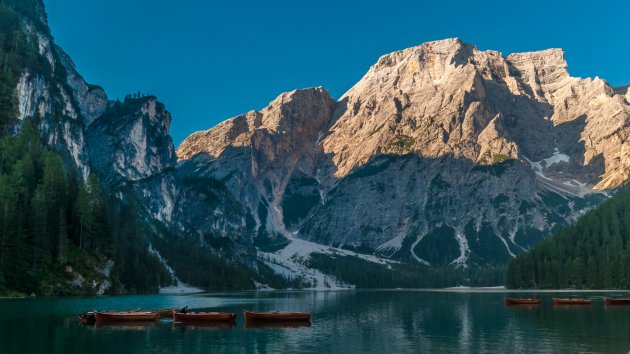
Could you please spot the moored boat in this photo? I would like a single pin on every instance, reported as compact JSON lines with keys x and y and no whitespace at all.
{"x":87,"y":318}
{"x":124,"y":316}
{"x":276,"y":316}
{"x":90,"y":316}
{"x":521,"y":301}
{"x":204,"y":317}
{"x":617,"y":301}
{"x":568,"y":301}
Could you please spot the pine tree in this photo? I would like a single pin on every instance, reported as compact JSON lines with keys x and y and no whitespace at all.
{"x":40,"y":245}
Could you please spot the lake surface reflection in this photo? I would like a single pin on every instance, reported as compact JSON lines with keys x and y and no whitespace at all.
{"x":362,"y":321}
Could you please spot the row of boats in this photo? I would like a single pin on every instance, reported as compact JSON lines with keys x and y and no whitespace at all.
{"x":185,"y":316}
{"x":566,"y":301}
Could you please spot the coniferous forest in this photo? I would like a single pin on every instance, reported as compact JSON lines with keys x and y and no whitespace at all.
{"x":58,"y":235}
{"x":593,"y":253}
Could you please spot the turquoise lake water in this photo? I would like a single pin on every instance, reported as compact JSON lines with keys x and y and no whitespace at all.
{"x":361,"y":321}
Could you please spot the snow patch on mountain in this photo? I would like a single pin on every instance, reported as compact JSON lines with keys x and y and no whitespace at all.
{"x":290,"y":262}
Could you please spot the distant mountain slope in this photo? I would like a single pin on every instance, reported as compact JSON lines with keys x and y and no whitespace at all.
{"x":593,"y":253}
{"x":441,"y":155}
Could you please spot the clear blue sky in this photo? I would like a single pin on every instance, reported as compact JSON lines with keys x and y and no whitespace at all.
{"x":211,"y":60}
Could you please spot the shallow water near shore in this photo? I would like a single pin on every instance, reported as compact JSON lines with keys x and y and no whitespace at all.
{"x":365,"y":321}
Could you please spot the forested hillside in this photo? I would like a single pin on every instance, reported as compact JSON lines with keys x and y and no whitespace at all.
{"x":56,"y":233}
{"x":594,"y":253}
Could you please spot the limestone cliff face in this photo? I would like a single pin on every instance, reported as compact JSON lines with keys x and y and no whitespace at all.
{"x":61,"y":103}
{"x":130,"y":141}
{"x":257,"y":153}
{"x":441,"y":153}
{"x":133,"y":154}
{"x":448,"y":98}
{"x":127,"y":146}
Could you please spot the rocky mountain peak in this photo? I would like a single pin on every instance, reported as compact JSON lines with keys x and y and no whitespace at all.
{"x":287,"y":110}
{"x":544,"y":71}
{"x":290,"y":115}
{"x":144,"y":123}
{"x":437,"y":144}
{"x":452,"y":50}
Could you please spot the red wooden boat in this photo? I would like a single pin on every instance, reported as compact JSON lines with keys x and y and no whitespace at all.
{"x":126,"y":316}
{"x":204,"y":317}
{"x":276,"y":316}
{"x":527,"y":301}
{"x":566,"y":301}
{"x":617,"y":301}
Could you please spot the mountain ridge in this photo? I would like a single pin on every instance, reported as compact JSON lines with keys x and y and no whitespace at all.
{"x":442,"y":101}
{"x":441,"y":164}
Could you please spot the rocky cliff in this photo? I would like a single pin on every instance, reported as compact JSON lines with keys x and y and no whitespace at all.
{"x":441,"y":154}
{"x":127,"y":146}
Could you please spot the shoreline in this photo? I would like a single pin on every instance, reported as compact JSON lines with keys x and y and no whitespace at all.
{"x":463,"y":290}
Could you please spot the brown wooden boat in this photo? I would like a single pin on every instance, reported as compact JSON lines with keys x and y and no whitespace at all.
{"x":276,"y":316}
{"x":90,"y":316}
{"x":521,"y":301}
{"x":126,"y":316}
{"x":204,"y":317}
{"x":568,"y":301}
{"x":617,"y":301}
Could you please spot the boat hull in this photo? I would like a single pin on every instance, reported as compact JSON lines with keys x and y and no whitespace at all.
{"x":618,"y":301}
{"x":511,"y":302}
{"x":276,"y":316}
{"x":557,"y":301}
{"x":204,"y":317}
{"x":164,"y":313}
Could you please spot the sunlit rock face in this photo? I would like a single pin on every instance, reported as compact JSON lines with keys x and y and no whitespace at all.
{"x":441,"y":154}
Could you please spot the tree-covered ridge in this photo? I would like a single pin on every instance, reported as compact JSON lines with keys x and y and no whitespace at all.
{"x":592,"y":253}
{"x":19,"y":52}
{"x":58,"y":235}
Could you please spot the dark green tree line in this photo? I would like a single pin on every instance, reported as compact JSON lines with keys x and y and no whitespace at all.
{"x":50,"y":220}
{"x":594,"y":253}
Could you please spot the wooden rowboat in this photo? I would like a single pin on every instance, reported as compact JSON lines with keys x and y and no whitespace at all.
{"x":90,"y":316}
{"x":528,"y":301}
{"x":276,"y":316}
{"x":204,"y":317}
{"x":560,"y":301}
{"x":126,"y":316}
{"x":617,"y":301}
